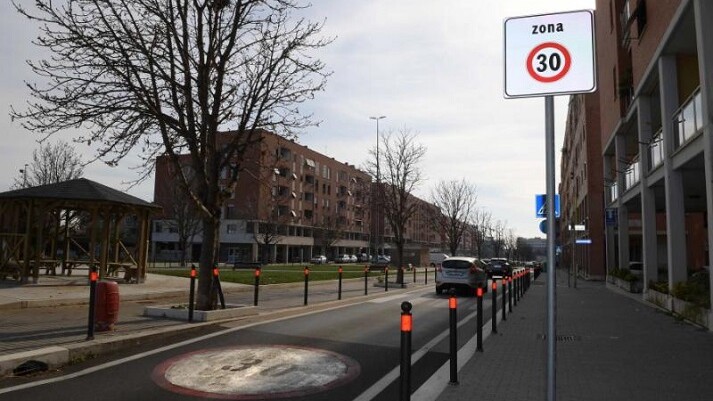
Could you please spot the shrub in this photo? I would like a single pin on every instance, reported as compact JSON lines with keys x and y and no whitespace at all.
{"x":694,"y":291}
{"x":660,"y":286}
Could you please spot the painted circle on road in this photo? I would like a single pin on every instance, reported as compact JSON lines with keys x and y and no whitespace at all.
{"x":255,"y":372}
{"x":548,"y":62}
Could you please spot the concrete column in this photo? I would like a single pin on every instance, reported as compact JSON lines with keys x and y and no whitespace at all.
{"x":255,"y":252}
{"x":704,"y":38}
{"x":675,"y":211}
{"x":610,"y":255}
{"x":648,"y":200}
{"x":623,"y":239}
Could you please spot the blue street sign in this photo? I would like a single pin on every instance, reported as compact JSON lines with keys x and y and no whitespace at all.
{"x":611,"y":215}
{"x":541,"y":205}
{"x":583,"y":241}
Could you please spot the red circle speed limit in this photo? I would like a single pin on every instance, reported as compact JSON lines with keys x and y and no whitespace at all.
{"x":548,"y":62}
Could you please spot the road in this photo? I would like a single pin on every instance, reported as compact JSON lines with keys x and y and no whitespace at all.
{"x":353,"y":349}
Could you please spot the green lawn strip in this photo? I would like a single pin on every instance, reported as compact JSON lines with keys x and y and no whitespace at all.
{"x":276,"y":275}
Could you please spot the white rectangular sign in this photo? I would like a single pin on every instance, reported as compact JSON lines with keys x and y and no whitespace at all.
{"x":550,"y":54}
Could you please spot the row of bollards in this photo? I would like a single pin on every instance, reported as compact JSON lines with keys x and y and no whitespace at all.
{"x":513,"y":287}
{"x":258,"y":271}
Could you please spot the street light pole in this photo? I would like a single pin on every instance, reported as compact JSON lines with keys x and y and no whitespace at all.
{"x":24,"y":176}
{"x":378,"y":184}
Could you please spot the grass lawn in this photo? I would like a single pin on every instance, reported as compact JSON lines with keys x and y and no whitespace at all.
{"x":275,"y":274}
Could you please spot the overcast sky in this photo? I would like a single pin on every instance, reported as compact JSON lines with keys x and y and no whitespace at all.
{"x":435,"y":67}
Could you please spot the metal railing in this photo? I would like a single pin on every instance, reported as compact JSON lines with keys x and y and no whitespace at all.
{"x":688,"y":121}
{"x":632,"y":174}
{"x":656,"y":150}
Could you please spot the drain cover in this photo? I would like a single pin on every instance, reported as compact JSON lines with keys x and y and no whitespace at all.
{"x":561,"y":338}
{"x":255,"y":372}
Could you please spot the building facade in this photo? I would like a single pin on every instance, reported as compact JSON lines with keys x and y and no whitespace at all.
{"x":290,"y":203}
{"x":655,"y":63}
{"x":581,"y":190}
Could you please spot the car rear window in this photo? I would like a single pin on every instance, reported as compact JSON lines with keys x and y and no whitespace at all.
{"x":456,"y":264}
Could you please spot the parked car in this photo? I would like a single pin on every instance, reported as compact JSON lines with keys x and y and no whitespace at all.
{"x":380,"y":261}
{"x":353,"y":259}
{"x":637,"y":269}
{"x":344,"y":258}
{"x":461,"y":272}
{"x":319,"y":260}
{"x":362,"y":257}
{"x":499,"y":267}
{"x":436,"y":258}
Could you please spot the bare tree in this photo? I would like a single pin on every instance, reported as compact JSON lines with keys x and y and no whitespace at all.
{"x":499,"y":237}
{"x":480,"y":227}
{"x":456,"y":201}
{"x":51,"y":163}
{"x":329,"y":230}
{"x":172,"y":77}
{"x":184,"y":218}
{"x":399,"y":162}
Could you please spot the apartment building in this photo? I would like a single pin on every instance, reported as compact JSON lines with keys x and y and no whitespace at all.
{"x":290,"y":203}
{"x":655,"y":63}
{"x":581,"y":190}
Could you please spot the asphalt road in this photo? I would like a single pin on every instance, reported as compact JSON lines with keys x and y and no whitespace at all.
{"x":358,"y":344}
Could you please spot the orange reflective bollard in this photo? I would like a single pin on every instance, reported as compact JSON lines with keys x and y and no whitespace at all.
{"x":406,"y":327}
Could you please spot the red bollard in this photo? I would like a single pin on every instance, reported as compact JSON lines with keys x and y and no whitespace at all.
{"x":339,"y":288}
{"x":257,"y":285}
{"x":495,"y":306}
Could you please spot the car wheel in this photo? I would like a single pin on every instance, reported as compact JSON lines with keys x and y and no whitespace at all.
{"x":439,"y":290}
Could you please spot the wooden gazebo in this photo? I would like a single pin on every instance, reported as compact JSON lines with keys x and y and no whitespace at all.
{"x":70,"y":224}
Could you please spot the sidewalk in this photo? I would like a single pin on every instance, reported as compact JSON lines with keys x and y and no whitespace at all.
{"x":609,"y":347}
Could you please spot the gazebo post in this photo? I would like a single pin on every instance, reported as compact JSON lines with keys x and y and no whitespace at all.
{"x":105,"y":238}
{"x":38,"y":244}
{"x":26,"y":245}
{"x":142,"y":247}
{"x":92,"y":241}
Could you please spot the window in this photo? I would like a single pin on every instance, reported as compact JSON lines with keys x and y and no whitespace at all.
{"x":308,"y":196}
{"x":284,"y":153}
{"x":232,"y":229}
{"x":326,"y":172}
{"x":308,"y":214}
{"x":309,"y":179}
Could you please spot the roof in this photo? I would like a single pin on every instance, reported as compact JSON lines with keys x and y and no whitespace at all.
{"x":80,"y":189}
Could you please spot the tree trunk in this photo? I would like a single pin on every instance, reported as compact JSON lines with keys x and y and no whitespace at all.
{"x":207,"y":259}
{"x":400,"y":261}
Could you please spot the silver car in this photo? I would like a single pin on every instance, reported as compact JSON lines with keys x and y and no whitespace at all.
{"x":461,"y":272}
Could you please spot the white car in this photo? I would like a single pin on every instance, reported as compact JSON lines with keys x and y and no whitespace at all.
{"x":343,"y":259}
{"x":319,"y":260}
{"x":461,"y":272}
{"x":353,"y":259}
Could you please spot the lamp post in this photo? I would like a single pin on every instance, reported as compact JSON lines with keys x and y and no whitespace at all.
{"x":24,"y":176}
{"x":378,"y":184}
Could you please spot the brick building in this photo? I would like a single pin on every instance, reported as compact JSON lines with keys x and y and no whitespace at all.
{"x":655,"y":63}
{"x":290,"y":203}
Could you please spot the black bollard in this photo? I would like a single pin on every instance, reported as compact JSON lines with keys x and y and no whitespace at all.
{"x":257,"y":285}
{"x":479,"y":329}
{"x":366,"y":280}
{"x":453,"y":320}
{"x":339,"y":287}
{"x":406,"y":327}
{"x":192,"y":293}
{"x":386,"y":279}
{"x":425,"y":275}
{"x":218,"y":288}
{"x":516,"y":294}
{"x":503,"y":283}
{"x":93,"y":276}
{"x":413,"y":269}
{"x":306,"y":284}
{"x":510,"y":293}
{"x":495,"y":306}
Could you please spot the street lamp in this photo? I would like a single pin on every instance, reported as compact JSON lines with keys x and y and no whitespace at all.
{"x":378,"y":179}
{"x":24,"y":176}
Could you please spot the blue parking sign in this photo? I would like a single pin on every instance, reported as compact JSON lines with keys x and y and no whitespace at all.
{"x":541,"y":205}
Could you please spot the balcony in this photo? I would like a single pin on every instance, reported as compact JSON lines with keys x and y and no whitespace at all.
{"x":632,"y":174}
{"x":688,"y":120}
{"x":656,"y":150}
{"x":614,"y":192}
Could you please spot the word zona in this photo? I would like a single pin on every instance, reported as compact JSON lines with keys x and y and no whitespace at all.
{"x":547,"y":28}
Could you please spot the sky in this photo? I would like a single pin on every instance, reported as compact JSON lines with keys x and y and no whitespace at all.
{"x":432,"y":67}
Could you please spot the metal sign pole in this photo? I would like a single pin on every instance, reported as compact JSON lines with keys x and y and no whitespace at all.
{"x":551,"y":284}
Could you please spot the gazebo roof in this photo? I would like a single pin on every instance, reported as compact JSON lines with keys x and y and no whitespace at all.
{"x":81,"y":190}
